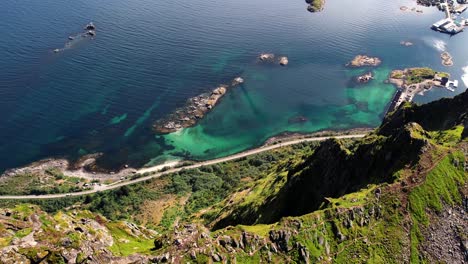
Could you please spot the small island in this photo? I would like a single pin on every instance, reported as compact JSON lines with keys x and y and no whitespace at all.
{"x":413,"y":81}
{"x":270,"y":57}
{"x":315,"y":5}
{"x":365,"y":78}
{"x":446,"y":59}
{"x":194,"y":110}
{"x":364,"y":61}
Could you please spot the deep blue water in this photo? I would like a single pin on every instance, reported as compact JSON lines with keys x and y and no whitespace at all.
{"x":149,"y":56}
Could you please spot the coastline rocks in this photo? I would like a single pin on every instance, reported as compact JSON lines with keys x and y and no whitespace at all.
{"x":364,"y":61}
{"x":195,"y":109}
{"x":428,"y":2}
{"x":85,"y":167}
{"x":365,"y":78}
{"x":446,"y":59}
{"x":213,"y":99}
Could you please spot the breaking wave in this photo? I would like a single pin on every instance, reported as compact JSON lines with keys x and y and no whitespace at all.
{"x":464,"y":77}
{"x":438,"y":44}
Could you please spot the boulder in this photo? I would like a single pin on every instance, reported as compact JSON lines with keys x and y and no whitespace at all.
{"x":237,"y":81}
{"x":281,"y":239}
{"x":90,"y":26}
{"x":284,"y":61}
{"x":266,"y":56}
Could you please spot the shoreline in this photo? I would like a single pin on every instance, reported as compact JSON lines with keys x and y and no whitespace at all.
{"x":412,"y":81}
{"x":79,"y":168}
{"x":152,"y":174}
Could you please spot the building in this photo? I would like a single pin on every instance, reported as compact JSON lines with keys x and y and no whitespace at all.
{"x":460,"y":9}
{"x":448,"y":26}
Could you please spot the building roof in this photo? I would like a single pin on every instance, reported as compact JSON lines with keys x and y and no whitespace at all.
{"x":441,"y":22}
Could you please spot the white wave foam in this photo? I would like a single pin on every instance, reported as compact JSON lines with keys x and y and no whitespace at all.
{"x":464,"y":77}
{"x":440,"y":45}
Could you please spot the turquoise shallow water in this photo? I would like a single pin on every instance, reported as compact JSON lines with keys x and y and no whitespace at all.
{"x":149,"y":56}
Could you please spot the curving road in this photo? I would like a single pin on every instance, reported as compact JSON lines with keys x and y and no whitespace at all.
{"x":159,"y":174}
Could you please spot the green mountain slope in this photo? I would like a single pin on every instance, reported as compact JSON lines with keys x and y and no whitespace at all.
{"x":398,"y":195}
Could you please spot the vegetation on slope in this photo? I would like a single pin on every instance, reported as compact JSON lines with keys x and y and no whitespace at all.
{"x":376,"y":200}
{"x":52,"y":181}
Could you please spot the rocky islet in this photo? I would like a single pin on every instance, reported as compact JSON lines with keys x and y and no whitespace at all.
{"x":364,"y":61}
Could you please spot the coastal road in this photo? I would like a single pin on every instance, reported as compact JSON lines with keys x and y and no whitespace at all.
{"x":159,"y":174}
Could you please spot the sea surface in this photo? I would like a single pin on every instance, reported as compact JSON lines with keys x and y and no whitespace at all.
{"x":150,"y":56}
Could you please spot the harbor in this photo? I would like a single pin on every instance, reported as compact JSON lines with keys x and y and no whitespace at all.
{"x":452,"y":23}
{"x":413,"y":81}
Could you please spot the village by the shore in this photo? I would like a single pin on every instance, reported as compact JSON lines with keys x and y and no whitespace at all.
{"x":413,"y":81}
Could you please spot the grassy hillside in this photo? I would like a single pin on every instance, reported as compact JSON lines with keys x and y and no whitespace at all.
{"x":398,"y":195}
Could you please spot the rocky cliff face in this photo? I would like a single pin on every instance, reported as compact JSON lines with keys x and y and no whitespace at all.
{"x":334,"y":169}
{"x":30,"y":235}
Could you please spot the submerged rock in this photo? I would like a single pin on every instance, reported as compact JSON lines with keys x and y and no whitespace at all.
{"x":195,"y":109}
{"x":406,"y":43}
{"x":90,"y":26}
{"x":297,"y":119}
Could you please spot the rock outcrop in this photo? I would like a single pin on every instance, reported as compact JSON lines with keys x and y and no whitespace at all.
{"x":271,"y":58}
{"x":315,"y":5}
{"x":364,"y":61}
{"x":194,"y":110}
{"x":365,"y":78}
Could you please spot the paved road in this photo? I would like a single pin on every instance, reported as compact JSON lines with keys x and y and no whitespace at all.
{"x":159,"y":174}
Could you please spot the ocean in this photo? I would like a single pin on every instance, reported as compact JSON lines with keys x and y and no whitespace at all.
{"x":150,"y":56}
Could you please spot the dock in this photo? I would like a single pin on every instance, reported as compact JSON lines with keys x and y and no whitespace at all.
{"x":451,"y":85}
{"x":460,"y":9}
{"x":449,"y":25}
